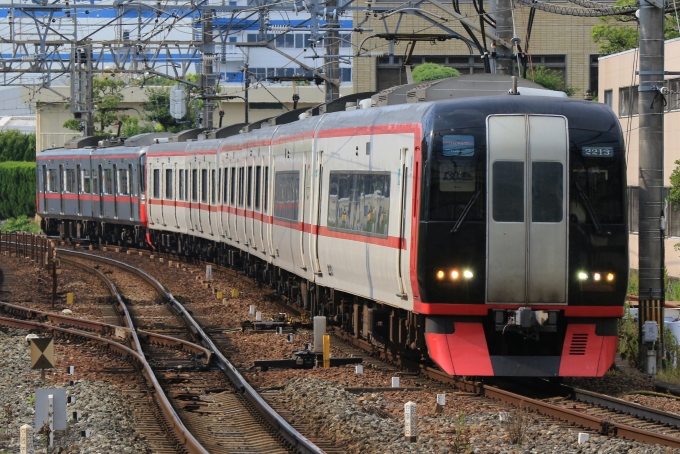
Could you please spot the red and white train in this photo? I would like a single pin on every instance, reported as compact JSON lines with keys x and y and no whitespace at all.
{"x":487,"y":233}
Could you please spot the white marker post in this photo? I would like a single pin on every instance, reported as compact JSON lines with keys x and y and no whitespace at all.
{"x":410,"y":422}
{"x":50,"y":417}
{"x":319,"y":331}
{"x":359,"y":369}
{"x":25,"y":440}
{"x":208,"y":272}
{"x":252,"y":310}
{"x":395,"y":382}
{"x":258,"y":316}
{"x":583,"y":437}
{"x":441,"y":399}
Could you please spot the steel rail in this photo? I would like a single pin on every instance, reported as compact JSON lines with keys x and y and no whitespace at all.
{"x":183,"y":435}
{"x":106,"y":329}
{"x":288,"y":432}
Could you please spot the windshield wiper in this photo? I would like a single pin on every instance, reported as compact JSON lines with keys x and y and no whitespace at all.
{"x":465,"y":212}
{"x":589,"y":209}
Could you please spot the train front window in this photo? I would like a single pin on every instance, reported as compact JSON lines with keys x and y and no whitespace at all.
{"x":596,"y":194}
{"x":456,"y":176}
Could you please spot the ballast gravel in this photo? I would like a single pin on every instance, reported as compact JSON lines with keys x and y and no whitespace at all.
{"x":372,"y":423}
{"x":104,"y":411}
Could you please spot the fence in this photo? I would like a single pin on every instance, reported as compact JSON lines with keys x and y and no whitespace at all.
{"x":36,"y":247}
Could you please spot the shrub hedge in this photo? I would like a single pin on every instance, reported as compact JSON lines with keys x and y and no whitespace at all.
{"x":17,"y":189}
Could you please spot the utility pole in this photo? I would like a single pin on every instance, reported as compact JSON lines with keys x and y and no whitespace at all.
{"x":651,"y":179}
{"x":246,"y":81}
{"x":504,"y":29}
{"x":331,"y":41}
{"x":207,"y":81}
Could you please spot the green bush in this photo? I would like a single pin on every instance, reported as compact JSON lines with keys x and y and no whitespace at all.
{"x":433,"y":71}
{"x":17,"y":189}
{"x":20,"y":224}
{"x":15,"y":146}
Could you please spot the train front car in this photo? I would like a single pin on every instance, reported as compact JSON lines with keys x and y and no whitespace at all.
{"x":522,"y":261}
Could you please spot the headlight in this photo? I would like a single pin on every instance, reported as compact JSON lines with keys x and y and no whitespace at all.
{"x":582,"y":276}
{"x":610,"y":277}
{"x":454,"y":274}
{"x":467,"y":274}
{"x":597,"y":276}
{"x":440,"y":274}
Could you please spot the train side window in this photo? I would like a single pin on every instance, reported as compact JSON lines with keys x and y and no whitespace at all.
{"x":360,"y":202}
{"x":225,"y":186}
{"x":213,"y":192}
{"x":168,"y":185}
{"x":232,"y":187}
{"x":180,"y":196}
{"x":258,"y":188}
{"x":123,"y":182}
{"x":95,"y":182}
{"x":107,"y":181}
{"x":508,"y":191}
{"x":70,"y":181}
{"x":131,"y":180}
{"x":156,"y":183}
{"x":85,"y":184}
{"x":52,"y":180}
{"x":547,"y":190}
{"x":204,"y":185}
{"x":194,"y":185}
{"x":287,"y":195}
{"x":44,"y":178}
{"x":186,"y":185}
{"x":266,"y":189}
{"x":249,"y":187}
{"x":241,"y":182}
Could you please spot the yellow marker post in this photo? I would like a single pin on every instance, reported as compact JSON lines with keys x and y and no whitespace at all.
{"x":69,"y":298}
{"x":234,"y":293}
{"x":219,"y":295}
{"x":326,"y":351}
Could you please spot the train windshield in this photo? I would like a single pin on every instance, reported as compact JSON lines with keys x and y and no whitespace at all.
{"x":596,"y":192}
{"x":457,"y":175}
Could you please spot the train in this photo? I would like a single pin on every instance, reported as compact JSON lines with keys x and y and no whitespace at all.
{"x":486,"y":234}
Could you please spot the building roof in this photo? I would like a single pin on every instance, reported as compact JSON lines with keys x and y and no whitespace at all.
{"x":24,"y":124}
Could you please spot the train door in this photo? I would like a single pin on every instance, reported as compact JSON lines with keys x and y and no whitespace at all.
{"x":62,"y":176}
{"x":97,"y":191}
{"x":233,"y":201}
{"x":212,"y":189}
{"x":130,"y":184}
{"x":258,"y":223}
{"x":223,"y":202}
{"x":42,"y":191}
{"x":527,"y":203}
{"x":78,"y":191}
{"x":266,"y":214}
{"x":174,"y":190}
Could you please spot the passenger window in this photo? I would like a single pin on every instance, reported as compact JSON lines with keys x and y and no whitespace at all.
{"x":168,"y":185}
{"x":181,"y":184}
{"x":194,"y":185}
{"x":241,"y":182}
{"x":86,"y":187}
{"x":204,"y":185}
{"x":123,"y":182}
{"x":266,"y":189}
{"x":213,"y":192}
{"x":249,"y":186}
{"x":287,"y":195}
{"x":232,"y":190}
{"x":95,"y":182}
{"x":360,"y":202}
{"x":107,"y":181}
{"x":508,"y":191}
{"x":156,"y":184}
{"x":546,"y":192}
{"x":70,"y":181}
{"x":52,"y":180}
{"x":258,"y":183}
{"x":225,"y":186}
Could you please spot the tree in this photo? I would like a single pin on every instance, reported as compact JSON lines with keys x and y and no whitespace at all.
{"x":15,"y":146}
{"x":552,"y":80}
{"x":618,"y":33}
{"x":433,"y":71}
{"x":158,"y":108}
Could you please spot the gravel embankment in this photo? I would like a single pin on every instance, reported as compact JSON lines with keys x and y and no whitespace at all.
{"x":104,"y":410}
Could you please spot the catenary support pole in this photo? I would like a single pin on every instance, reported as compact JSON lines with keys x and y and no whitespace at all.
{"x":651,"y":178}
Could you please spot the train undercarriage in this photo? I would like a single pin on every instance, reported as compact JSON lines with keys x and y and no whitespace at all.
{"x":389,"y":328}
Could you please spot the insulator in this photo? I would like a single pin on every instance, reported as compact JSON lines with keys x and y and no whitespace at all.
{"x":209,"y":57}
{"x":28,"y":58}
{"x":279,"y":28}
{"x":377,"y":53}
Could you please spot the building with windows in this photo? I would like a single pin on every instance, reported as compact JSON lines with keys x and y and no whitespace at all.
{"x":618,"y":85}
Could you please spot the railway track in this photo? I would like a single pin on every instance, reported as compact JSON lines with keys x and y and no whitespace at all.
{"x":592,"y":411}
{"x":215,"y":404}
